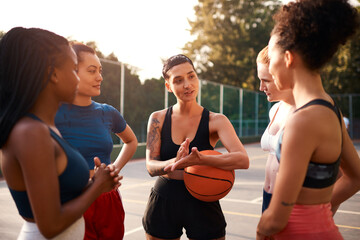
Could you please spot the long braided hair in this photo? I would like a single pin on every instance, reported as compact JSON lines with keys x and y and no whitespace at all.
{"x":27,"y":60}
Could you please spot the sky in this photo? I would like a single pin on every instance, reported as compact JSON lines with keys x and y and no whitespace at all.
{"x":139,"y":32}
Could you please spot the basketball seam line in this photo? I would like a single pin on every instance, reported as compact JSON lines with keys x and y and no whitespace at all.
{"x":197,"y":175}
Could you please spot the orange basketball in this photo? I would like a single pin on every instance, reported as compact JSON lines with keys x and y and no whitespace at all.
{"x":208,"y":183}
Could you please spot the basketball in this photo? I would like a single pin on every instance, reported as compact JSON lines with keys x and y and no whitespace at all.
{"x":208,"y":183}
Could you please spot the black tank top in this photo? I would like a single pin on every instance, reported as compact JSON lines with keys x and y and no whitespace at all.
{"x":318,"y":175}
{"x":201,"y":140}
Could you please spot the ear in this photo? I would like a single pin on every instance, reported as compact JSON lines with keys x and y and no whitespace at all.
{"x":53,"y":77}
{"x":167,"y":85}
{"x":289,"y":58}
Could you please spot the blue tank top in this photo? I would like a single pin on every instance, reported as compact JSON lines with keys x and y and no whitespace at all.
{"x":318,"y":175}
{"x":201,"y":140}
{"x":72,"y":181}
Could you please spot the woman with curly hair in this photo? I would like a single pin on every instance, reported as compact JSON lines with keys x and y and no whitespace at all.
{"x":314,"y":142}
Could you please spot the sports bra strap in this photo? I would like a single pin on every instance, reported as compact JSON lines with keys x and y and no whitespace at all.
{"x":324,"y":103}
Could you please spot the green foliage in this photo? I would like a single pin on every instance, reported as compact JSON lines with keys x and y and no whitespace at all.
{"x":229,"y":34}
{"x":342,"y":74}
{"x":134,"y":100}
{"x":210,"y":97}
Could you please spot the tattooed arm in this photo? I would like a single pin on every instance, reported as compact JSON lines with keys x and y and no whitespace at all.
{"x":154,"y":166}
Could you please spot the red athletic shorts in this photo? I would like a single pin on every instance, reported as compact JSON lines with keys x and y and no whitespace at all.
{"x":310,"y":222}
{"x":104,"y":219}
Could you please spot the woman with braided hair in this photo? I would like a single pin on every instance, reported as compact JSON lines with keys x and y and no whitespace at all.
{"x":47,"y":178}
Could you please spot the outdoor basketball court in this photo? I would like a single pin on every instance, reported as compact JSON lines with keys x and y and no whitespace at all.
{"x":242,"y":206}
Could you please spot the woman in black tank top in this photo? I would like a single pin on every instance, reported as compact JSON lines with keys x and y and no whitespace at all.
{"x":175,"y":138}
{"x":306,"y":193}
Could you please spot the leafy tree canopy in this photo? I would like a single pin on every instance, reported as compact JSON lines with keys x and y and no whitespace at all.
{"x":229,"y":34}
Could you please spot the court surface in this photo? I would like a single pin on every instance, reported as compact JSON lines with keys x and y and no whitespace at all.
{"x":242,"y":206}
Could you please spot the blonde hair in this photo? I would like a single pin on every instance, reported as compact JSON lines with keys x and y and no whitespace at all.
{"x":263,"y":56}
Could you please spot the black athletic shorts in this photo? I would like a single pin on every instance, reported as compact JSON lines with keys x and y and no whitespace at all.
{"x":171,"y":208}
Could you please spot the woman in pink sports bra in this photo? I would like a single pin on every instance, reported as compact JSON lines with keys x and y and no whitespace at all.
{"x":278,"y":115}
{"x":314,"y":142}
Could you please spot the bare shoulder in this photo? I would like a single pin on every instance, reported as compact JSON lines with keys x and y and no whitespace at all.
{"x":218,"y":122}
{"x":316,"y":115}
{"x":157,"y":117}
{"x":298,"y":121}
{"x":217,"y":118}
{"x":29,"y":128}
{"x":314,"y":121}
{"x":158,"y":114}
{"x":28,"y":134}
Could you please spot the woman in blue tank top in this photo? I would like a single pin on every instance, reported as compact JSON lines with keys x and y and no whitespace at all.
{"x":314,"y":141}
{"x":47,"y":178}
{"x":175,"y":137}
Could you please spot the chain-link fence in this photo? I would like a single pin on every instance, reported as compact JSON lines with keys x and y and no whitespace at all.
{"x":247,"y":110}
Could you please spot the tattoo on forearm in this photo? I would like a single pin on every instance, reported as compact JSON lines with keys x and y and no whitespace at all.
{"x":155,"y":156}
{"x":153,"y":136}
{"x":156,"y":168}
{"x":287,"y":204}
{"x":159,"y":172}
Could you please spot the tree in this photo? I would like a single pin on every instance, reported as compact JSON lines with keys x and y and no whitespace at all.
{"x":342,"y":74}
{"x":229,"y":34}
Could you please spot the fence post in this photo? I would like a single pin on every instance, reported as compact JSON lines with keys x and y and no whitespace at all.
{"x":351,"y":116}
{"x":122,"y":80}
{"x":199,"y":93}
{"x":166,"y":98}
{"x":221,"y":98}
{"x":241,"y":95}
{"x":256,"y":113}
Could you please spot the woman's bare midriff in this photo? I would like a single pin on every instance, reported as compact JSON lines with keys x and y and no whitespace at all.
{"x":312,"y":196}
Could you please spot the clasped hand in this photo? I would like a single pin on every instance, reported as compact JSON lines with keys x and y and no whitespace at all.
{"x":107,"y":176}
{"x":183,"y":158}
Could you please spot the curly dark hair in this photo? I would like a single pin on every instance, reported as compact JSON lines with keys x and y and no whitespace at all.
{"x":315,"y":28}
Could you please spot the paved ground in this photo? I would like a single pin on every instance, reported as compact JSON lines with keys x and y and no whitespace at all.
{"x":242,"y":206}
